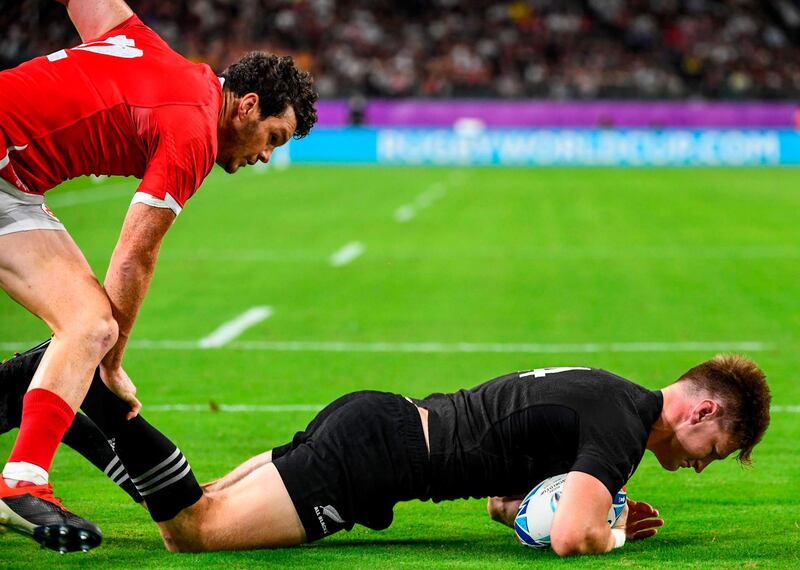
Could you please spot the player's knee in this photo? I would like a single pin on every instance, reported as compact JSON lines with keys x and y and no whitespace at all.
{"x":181,"y":538}
{"x":97,"y":333}
{"x":176,"y":542}
{"x":185,"y":532}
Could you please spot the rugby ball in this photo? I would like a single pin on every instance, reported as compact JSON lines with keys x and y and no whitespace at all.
{"x":535,"y":514}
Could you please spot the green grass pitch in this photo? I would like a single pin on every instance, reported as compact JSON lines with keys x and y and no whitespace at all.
{"x":586,"y":263}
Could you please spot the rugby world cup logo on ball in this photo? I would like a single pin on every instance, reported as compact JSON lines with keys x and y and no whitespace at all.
{"x":535,"y":514}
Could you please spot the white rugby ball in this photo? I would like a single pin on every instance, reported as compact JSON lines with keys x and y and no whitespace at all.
{"x":535,"y":514}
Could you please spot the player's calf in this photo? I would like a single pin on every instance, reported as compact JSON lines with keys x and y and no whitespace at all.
{"x":157,"y":468}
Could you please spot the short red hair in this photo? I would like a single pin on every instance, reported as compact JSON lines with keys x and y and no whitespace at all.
{"x":743,"y":393}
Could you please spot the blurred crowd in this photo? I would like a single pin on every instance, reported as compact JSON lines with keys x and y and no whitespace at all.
{"x":560,"y":49}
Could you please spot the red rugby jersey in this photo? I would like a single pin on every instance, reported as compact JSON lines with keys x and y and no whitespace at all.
{"x":123,"y":104}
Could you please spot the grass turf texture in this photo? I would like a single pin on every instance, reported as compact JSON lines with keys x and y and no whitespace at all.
{"x":503,"y":256}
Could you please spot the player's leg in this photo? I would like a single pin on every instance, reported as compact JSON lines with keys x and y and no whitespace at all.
{"x":157,"y":468}
{"x":44,"y":271}
{"x":255,"y":512}
{"x":253,"y":506}
{"x":86,"y":439}
{"x":239,"y":473}
{"x":83,"y":435}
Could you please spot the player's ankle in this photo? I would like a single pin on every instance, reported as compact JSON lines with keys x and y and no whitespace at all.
{"x":21,"y":471}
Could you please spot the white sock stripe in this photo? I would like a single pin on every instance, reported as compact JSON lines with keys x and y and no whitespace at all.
{"x":121,"y":481}
{"x":167,"y":461}
{"x":153,"y":480}
{"x":167,"y":483}
{"x":119,"y":471}
{"x":111,"y":464}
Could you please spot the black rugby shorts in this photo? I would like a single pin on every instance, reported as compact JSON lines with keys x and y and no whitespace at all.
{"x":356,"y":459}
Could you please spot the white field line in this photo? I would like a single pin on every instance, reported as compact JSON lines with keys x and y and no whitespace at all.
{"x":516,"y":348}
{"x":278,"y":409}
{"x":230,"y":330}
{"x":441,"y":347}
{"x":235,"y":408}
{"x":431,"y":195}
{"x":90,"y":194}
{"x":407,"y":212}
{"x":347,"y":254}
{"x":484,"y":256}
{"x":404,"y":213}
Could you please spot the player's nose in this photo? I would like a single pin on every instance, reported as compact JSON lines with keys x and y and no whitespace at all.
{"x":699,"y":466}
{"x":265,"y":155}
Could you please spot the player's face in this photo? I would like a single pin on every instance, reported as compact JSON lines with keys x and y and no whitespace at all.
{"x":695,"y":444}
{"x":251,"y":138}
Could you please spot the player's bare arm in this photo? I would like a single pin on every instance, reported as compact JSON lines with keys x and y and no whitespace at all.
{"x":93,"y":18}
{"x":579,"y":525}
{"x":127,"y":281}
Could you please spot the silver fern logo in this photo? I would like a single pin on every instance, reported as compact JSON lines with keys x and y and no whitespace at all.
{"x":332,"y":514}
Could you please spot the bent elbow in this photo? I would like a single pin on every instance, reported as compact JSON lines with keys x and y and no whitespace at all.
{"x":590,"y":541}
{"x":565,"y":547}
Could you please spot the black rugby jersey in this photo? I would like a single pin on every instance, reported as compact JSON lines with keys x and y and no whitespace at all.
{"x":503,"y":437}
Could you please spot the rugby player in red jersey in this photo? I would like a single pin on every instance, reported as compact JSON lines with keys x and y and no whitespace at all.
{"x":121,"y":103}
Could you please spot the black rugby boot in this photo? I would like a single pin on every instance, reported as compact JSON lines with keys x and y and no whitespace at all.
{"x":33,"y":511}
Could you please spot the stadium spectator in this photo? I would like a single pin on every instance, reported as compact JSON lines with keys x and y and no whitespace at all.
{"x":565,"y":49}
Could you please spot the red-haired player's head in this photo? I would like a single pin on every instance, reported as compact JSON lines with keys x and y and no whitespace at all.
{"x":714,"y":409}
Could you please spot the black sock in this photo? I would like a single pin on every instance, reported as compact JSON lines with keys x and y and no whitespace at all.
{"x":86,"y":438}
{"x":156,"y":466}
{"x":16,"y":374}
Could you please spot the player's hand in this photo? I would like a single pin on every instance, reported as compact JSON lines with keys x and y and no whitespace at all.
{"x":643,"y":520}
{"x":120,"y":383}
{"x":503,"y":509}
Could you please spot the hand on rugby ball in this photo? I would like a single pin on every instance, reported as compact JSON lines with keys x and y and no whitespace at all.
{"x":503,"y":509}
{"x":643,"y":520}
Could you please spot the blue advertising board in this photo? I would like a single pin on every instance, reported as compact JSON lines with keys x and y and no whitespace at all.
{"x":547,"y":147}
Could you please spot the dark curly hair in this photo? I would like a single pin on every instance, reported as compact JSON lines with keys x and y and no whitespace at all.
{"x":742,"y":387}
{"x":278,"y":83}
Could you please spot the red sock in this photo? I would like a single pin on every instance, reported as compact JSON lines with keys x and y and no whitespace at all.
{"x":45,"y":419}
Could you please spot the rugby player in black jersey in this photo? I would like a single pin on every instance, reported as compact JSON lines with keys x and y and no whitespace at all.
{"x":369,"y":450}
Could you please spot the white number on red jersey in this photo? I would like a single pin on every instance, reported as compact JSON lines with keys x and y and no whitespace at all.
{"x":115,"y":46}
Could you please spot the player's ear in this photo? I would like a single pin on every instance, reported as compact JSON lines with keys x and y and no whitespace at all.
{"x":705,"y":410}
{"x":248,"y":106}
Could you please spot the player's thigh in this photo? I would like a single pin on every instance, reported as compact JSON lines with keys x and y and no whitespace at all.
{"x":45,"y":272}
{"x":255,"y":512}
